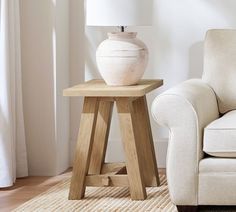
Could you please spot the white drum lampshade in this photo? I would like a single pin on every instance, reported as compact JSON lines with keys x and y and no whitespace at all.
{"x":122,"y":58}
{"x":119,"y":12}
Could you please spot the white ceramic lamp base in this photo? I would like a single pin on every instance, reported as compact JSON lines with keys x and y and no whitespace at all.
{"x":122,"y":59}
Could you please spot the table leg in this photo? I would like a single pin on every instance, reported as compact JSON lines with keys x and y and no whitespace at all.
{"x":131,"y":147}
{"x":101,"y":136}
{"x":148,"y":162}
{"x":84,"y":147}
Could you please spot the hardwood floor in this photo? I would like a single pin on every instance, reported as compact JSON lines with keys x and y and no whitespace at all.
{"x":29,"y":187}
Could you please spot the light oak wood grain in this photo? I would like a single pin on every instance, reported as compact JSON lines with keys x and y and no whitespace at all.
{"x":111,"y":167}
{"x":130,"y":142}
{"x":99,"y":88}
{"x":145,"y":141}
{"x":114,"y":180}
{"x":141,"y":168}
{"x":101,"y":136}
{"x":84,"y":148}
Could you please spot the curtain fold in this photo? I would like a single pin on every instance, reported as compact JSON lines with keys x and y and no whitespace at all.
{"x":13,"y":157}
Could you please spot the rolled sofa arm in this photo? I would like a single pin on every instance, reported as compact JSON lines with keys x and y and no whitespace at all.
{"x":185,"y":109}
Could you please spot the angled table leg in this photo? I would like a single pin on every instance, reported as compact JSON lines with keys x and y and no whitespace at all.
{"x":101,"y":136}
{"x":131,"y":147}
{"x":83,"y":149}
{"x":148,"y":162}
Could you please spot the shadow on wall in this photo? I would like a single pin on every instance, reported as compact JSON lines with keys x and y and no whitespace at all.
{"x":196,"y":52}
{"x":93,"y":37}
{"x":90,"y":63}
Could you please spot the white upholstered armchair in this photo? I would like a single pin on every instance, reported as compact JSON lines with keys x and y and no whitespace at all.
{"x":201,"y":117}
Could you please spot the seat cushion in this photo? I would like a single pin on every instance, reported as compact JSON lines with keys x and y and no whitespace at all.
{"x":217,"y":181}
{"x":220,"y":66}
{"x":220,"y":136}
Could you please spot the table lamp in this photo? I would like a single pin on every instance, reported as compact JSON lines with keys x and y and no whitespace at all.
{"x":122,"y":58}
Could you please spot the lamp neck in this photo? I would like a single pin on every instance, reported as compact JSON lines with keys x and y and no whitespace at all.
{"x":122,"y":28}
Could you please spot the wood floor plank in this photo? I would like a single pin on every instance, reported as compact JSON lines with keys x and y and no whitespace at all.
{"x":26,"y":189}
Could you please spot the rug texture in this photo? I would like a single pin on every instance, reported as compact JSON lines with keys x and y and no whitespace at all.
{"x":100,"y":199}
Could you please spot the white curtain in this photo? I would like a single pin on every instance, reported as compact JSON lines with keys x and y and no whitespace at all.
{"x":13,"y":158}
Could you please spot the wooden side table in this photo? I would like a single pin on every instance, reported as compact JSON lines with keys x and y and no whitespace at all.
{"x":140,"y":169}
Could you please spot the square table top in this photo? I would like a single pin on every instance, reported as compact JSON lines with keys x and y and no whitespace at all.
{"x":98,"y":87}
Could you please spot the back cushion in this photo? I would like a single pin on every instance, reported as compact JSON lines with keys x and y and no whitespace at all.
{"x":220,"y":66}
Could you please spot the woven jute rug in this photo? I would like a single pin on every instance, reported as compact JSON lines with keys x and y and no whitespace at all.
{"x":100,"y":199}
